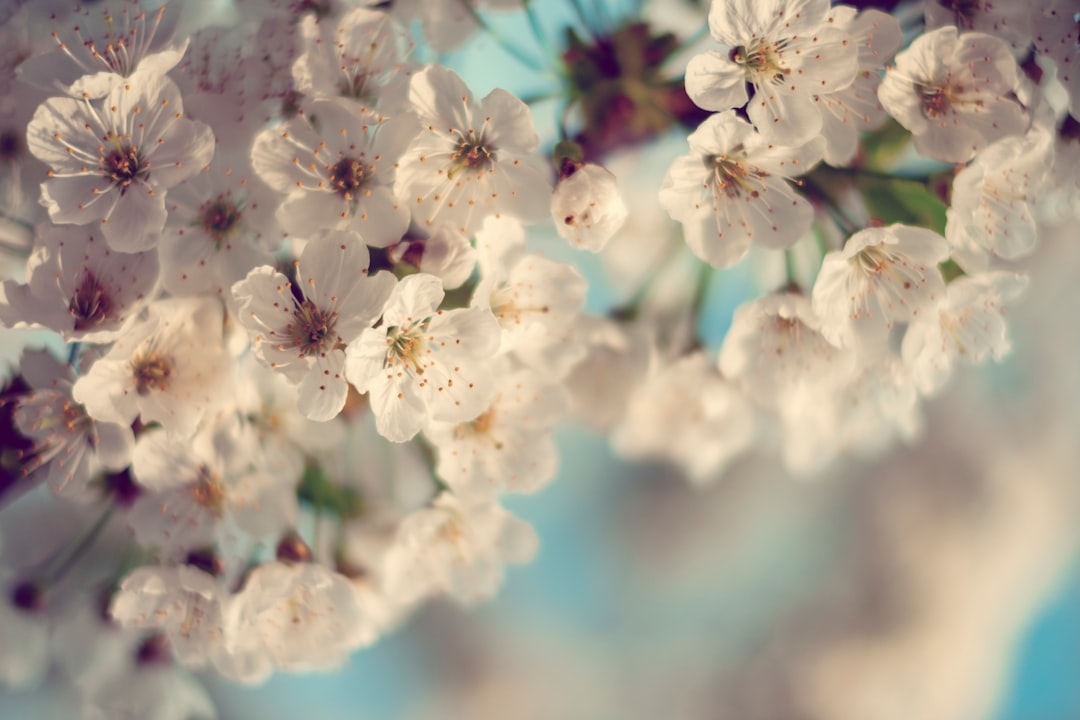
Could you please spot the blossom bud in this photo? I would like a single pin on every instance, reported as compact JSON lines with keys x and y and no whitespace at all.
{"x":292,"y":549}
{"x":586,"y":205}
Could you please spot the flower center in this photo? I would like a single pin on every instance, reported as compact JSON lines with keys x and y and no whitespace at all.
{"x":406,"y":345}
{"x":935,"y":101}
{"x":123,"y":165}
{"x":207,"y":492}
{"x":311,"y":331}
{"x":346,"y":175}
{"x":761,"y":61}
{"x":219,"y":219}
{"x":732,"y":177}
{"x":152,"y":372}
{"x":470,"y":154}
{"x":90,"y":304}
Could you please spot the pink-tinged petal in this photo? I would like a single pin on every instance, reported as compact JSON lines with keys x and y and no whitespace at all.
{"x":399,"y":412}
{"x":331,"y":261}
{"x":511,"y":122}
{"x":363,"y":304}
{"x":57,"y":135}
{"x":715,"y":83}
{"x":78,"y":199}
{"x":365,"y":359}
{"x":438,"y":94}
{"x":416,"y":297}
{"x":185,"y":148}
{"x":304,"y":213}
{"x":136,"y":221}
{"x":379,"y":217}
{"x":323,"y":390}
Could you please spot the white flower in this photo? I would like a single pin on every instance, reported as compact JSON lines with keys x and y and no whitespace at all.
{"x":882,"y":276}
{"x":470,"y":160}
{"x":69,"y":447}
{"x":183,"y":603}
{"x":103,"y":48}
{"x":774,"y":347}
{"x":300,"y":329}
{"x":362,"y":59}
{"x":113,"y":161}
{"x":955,"y":93}
{"x":1057,"y":36}
{"x":968,"y":325}
{"x":289,"y":616}
{"x":198,"y":490}
{"x":993,"y":200}
{"x":733,"y":189}
{"x":855,"y":108}
{"x":616,"y":358}
{"x":507,"y":447}
{"x":787,"y":50}
{"x":336,"y":165}
{"x":686,"y":413}
{"x":446,"y":254}
{"x":170,"y":368}
{"x":535,"y":299}
{"x":219,"y":227}
{"x":151,"y":691}
{"x":457,"y":548}
{"x":1010,"y":21}
{"x":587,"y":208}
{"x":423,"y":363}
{"x":79,"y":287}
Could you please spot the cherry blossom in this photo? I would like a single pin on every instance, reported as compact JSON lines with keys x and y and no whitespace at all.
{"x":883,"y":275}
{"x":169,"y":368}
{"x":423,"y":363}
{"x":471,"y":159}
{"x":586,"y":206}
{"x":734,"y":189}
{"x":337,"y":174}
{"x":787,"y":51}
{"x":112,"y":161}
{"x":955,"y":93}
{"x":301,"y":328}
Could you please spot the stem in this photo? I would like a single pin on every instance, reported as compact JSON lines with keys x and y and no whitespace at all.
{"x":501,"y":41}
{"x":859,"y":172}
{"x":701,"y":292}
{"x":65,"y":560}
{"x":789,"y":267}
{"x":537,"y":31}
{"x":815,"y":189}
{"x":579,"y":10}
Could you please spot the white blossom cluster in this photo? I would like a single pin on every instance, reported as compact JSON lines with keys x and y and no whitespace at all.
{"x":310,"y":346}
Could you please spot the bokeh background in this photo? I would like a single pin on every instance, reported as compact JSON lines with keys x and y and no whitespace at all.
{"x":939,"y":581}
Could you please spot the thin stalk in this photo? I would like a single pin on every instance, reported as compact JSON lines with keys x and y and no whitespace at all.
{"x":537,"y":31}
{"x":66,"y":560}
{"x":501,"y":41}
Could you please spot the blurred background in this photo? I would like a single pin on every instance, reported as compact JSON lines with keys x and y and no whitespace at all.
{"x":939,"y":581}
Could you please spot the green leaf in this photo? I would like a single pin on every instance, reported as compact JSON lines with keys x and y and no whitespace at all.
{"x":883,"y":147}
{"x":903,"y":201}
{"x":316,"y":489}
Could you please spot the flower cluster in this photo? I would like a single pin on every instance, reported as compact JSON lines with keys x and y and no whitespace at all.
{"x":311,"y":345}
